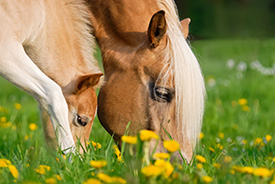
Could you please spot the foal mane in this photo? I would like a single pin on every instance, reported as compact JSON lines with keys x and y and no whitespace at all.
{"x":188,"y":80}
{"x":83,"y":32}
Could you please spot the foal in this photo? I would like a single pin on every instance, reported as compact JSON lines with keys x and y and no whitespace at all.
{"x":46,"y":50}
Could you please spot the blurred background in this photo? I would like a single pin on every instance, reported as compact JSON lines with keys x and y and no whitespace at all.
{"x":228,"y":19}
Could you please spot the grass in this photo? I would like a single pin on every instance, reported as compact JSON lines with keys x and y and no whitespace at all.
{"x":238,"y":117}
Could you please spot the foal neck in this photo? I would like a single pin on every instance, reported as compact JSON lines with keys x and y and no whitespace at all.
{"x":65,"y":46}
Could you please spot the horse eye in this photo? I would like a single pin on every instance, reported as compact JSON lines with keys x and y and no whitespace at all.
{"x":162,"y":94}
{"x":83,"y":121}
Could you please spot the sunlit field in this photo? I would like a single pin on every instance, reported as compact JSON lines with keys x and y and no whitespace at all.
{"x":236,"y":143}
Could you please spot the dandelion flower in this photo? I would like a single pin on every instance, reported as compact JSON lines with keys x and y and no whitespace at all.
{"x":212,"y":149}
{"x":98,"y":164}
{"x":4,"y":162}
{"x":96,"y":145}
{"x":268,"y":138}
{"x":262,"y":172}
{"x":166,"y":166}
{"x":146,"y":135}
{"x":58,"y":177}
{"x":227,"y":159}
{"x":17,"y":106}
{"x":13,"y":171}
{"x":246,"y":108}
{"x":219,"y":146}
{"x":3,"y":119}
{"x":118,"y":180}
{"x":161,"y":155}
{"x":248,"y":170}
{"x":104,"y":177}
{"x":273,"y":159}
{"x":171,"y":145}
{"x":207,"y":179}
{"x":151,"y":171}
{"x":50,"y":181}
{"x":92,"y":181}
{"x":129,"y":139}
{"x":42,"y":169}
{"x":217,"y":165}
{"x":221,"y":135}
{"x":200,"y":158}
{"x":242,"y":101}
{"x":32,"y":126}
{"x":199,"y":166}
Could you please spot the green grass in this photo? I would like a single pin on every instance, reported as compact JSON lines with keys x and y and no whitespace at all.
{"x":27,"y":150}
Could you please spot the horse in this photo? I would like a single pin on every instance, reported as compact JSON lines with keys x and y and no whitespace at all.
{"x":152,"y":77}
{"x":46,"y":49}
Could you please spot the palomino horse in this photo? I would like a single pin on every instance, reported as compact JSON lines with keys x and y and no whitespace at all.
{"x":152,"y":78}
{"x":45,"y":49}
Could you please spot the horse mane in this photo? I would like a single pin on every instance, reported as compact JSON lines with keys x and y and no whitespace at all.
{"x":188,"y":80}
{"x":83,"y":32}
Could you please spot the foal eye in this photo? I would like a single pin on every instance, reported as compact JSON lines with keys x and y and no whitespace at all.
{"x":162,"y":94}
{"x":83,"y":121}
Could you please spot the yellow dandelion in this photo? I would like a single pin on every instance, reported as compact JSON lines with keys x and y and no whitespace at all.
{"x":166,"y":167}
{"x":207,"y":179}
{"x":129,"y":139}
{"x":199,"y":166}
{"x":3,"y":119}
{"x":161,"y":155}
{"x":4,"y":162}
{"x":248,"y":170}
{"x":13,"y":171}
{"x":262,"y":172}
{"x":58,"y":177}
{"x":32,"y":126}
{"x":217,"y":165}
{"x":151,"y":171}
{"x":92,"y":181}
{"x":200,"y":158}
{"x":219,"y":146}
{"x":268,"y":138}
{"x":232,"y":171}
{"x":50,"y":181}
{"x":242,"y":101}
{"x":96,"y":145}
{"x":273,"y":159}
{"x":221,"y":135}
{"x":212,"y":149}
{"x":246,"y":108}
{"x":42,"y":169}
{"x":98,"y":164}
{"x":171,"y":145}
{"x":26,"y":137}
{"x":227,"y":159}
{"x":118,"y":180}
{"x":17,"y":106}
{"x":258,"y":142}
{"x":147,"y":135}
{"x":201,"y":136}
{"x":244,"y":141}
{"x":104,"y":177}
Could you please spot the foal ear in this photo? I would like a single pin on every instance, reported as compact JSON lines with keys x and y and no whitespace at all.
{"x":157,"y":28}
{"x":185,"y":26}
{"x":89,"y":80}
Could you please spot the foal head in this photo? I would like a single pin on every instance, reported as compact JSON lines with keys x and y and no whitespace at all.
{"x":82,"y":104}
{"x":152,"y":78}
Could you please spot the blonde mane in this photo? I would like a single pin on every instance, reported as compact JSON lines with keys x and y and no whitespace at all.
{"x":188,"y":80}
{"x":83,"y":32}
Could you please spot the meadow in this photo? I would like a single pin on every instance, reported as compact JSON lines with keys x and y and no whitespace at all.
{"x":236,"y":143}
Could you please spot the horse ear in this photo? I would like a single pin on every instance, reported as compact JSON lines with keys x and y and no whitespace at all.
{"x":185,"y":26}
{"x":89,"y":80}
{"x":157,"y":28}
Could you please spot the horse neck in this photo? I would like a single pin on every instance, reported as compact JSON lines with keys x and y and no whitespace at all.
{"x":65,"y":45}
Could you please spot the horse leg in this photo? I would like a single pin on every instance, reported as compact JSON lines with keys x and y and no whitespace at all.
{"x":18,"y":68}
{"x":48,"y":130}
